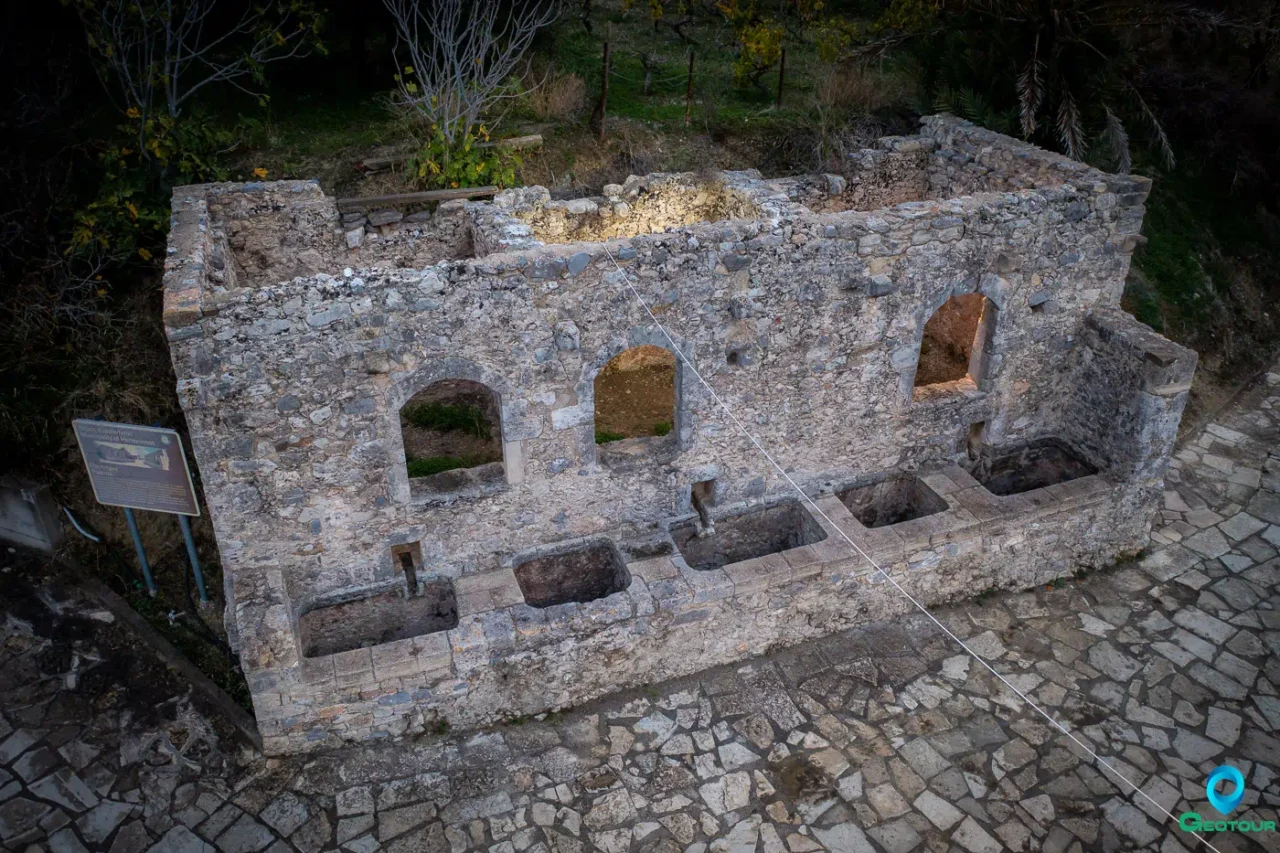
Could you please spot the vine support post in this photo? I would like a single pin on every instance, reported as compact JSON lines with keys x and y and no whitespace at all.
{"x":604,"y":82}
{"x":688,"y":92}
{"x":782,"y":70}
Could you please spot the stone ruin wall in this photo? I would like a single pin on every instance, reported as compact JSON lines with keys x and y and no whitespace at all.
{"x":295,"y":353}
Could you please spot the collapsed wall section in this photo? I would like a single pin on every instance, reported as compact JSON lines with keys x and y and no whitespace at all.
{"x":266,"y":232}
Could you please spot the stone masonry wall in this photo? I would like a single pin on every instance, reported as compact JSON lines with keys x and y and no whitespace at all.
{"x":292,"y":389}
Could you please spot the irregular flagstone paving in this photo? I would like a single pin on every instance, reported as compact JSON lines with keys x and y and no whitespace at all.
{"x":887,"y":738}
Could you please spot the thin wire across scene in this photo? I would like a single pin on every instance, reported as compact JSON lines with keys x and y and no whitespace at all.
{"x":635,"y":294}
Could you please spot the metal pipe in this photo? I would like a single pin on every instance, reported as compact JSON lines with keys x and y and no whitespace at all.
{"x":142,"y":554}
{"x":194,"y":560}
{"x":76,"y":524}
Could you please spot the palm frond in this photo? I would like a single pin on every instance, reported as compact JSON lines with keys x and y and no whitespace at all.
{"x":1171,"y":17}
{"x":1157,"y":129}
{"x":1030,"y":91}
{"x":946,"y":101}
{"x":1117,"y":140}
{"x":973,"y":105}
{"x":1071,"y":127}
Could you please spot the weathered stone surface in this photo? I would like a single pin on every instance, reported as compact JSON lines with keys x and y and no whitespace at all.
{"x":246,"y":835}
{"x":19,"y":815}
{"x":97,"y":824}
{"x":180,"y":840}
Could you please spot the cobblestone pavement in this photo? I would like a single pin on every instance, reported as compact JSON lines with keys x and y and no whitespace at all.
{"x":881,"y":739}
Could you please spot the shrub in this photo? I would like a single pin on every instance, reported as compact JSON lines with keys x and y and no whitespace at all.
{"x":662,"y":428}
{"x":149,"y":156}
{"x":438,"y":164}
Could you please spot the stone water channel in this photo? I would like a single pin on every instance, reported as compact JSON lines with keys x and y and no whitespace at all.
{"x":885,"y":738}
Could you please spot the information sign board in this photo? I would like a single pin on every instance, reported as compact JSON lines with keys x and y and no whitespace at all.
{"x":137,"y":467}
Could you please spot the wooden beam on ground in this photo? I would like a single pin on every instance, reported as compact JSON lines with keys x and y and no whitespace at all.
{"x":533,"y":140}
{"x":515,"y":143}
{"x":349,"y":205}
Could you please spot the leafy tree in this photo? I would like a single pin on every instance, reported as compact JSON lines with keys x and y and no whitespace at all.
{"x":153,"y":58}
{"x":761,"y":30}
{"x":676,"y":14}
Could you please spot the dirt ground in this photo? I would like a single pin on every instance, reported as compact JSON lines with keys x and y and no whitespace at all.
{"x":632,"y":400}
{"x":428,"y":443}
{"x":948,"y":340}
{"x":940,"y":364}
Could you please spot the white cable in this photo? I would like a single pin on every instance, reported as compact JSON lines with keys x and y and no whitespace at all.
{"x":814,"y":506}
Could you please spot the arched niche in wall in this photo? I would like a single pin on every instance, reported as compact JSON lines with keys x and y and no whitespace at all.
{"x":955,"y":345}
{"x":449,"y":417}
{"x":636,"y":397}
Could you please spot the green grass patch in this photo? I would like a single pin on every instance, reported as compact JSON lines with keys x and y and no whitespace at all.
{"x":716,"y":95}
{"x":311,"y":124}
{"x":447,"y":417}
{"x":604,"y":435}
{"x":662,"y":428}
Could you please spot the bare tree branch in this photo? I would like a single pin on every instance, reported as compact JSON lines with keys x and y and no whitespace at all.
{"x":457,"y":57}
{"x":159,"y":54}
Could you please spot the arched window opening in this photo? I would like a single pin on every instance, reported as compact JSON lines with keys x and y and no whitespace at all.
{"x":636,"y":395}
{"x":955,"y":341}
{"x":452,"y":434}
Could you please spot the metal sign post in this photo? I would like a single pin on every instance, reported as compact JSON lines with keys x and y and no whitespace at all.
{"x":138,"y":467}
{"x":142,"y":553}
